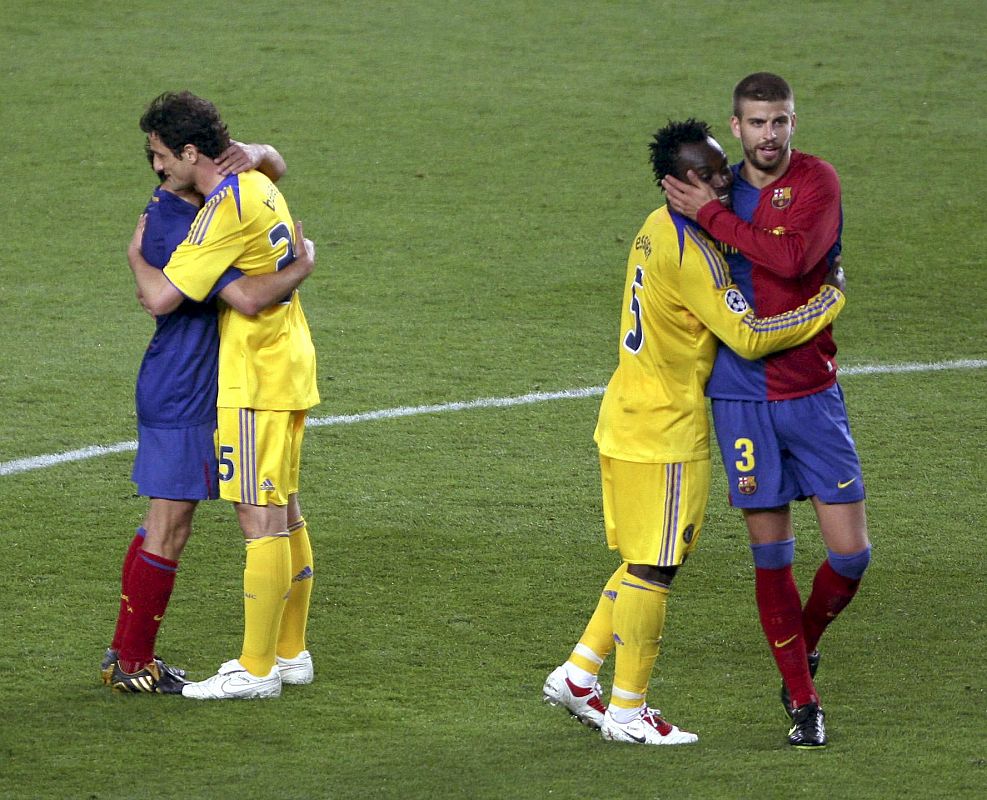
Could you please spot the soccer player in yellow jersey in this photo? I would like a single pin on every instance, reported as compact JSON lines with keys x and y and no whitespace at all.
{"x":266,"y":384}
{"x":653,"y":435}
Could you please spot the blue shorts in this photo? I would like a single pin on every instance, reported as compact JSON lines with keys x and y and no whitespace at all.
{"x":177,"y":463}
{"x":782,"y":450}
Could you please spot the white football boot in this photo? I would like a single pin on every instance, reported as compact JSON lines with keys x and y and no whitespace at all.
{"x":586,"y":706}
{"x":297,"y":670}
{"x":234,"y":682}
{"x":647,"y":728}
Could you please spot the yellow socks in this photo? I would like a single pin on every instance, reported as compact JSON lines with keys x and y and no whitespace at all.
{"x":291,"y":639}
{"x":597,"y":640}
{"x":638,"y":620}
{"x":266,"y":581}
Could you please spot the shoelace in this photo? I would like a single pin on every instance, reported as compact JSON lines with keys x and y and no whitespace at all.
{"x":653,"y":717}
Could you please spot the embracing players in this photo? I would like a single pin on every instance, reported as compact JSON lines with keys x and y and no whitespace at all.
{"x":176,"y":464}
{"x":266,"y":382}
{"x":781,"y":421}
{"x":653,"y":435}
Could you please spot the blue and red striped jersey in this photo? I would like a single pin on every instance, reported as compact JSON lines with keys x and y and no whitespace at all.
{"x":779,"y":241}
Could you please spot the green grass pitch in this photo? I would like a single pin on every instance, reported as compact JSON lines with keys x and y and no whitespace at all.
{"x":473,"y":174}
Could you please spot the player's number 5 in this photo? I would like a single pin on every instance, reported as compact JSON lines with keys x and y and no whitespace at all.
{"x":634,"y":340}
{"x":745,"y":453}
{"x":227,"y":469}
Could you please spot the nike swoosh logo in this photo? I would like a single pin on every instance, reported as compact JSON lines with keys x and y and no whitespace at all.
{"x":789,"y":640}
{"x":157,"y":618}
{"x":844,"y":484}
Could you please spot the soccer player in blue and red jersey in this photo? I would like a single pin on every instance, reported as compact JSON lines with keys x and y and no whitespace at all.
{"x":781,"y":421}
{"x":176,"y":465}
{"x":653,"y":436}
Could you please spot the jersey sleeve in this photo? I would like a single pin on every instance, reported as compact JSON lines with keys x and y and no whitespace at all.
{"x":214,"y":243}
{"x":709,"y":293}
{"x":810,"y":226}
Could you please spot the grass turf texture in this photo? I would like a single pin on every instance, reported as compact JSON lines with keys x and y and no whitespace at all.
{"x":473,"y":175}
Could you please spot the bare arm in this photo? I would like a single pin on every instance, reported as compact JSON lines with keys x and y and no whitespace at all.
{"x":154,"y":291}
{"x":240,"y":157}
{"x":252,"y":294}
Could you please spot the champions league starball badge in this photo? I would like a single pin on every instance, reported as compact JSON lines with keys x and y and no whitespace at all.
{"x":736,"y":301}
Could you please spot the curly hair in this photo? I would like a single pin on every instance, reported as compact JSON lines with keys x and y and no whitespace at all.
{"x":666,"y":143}
{"x":181,"y":118}
{"x":764,"y":86}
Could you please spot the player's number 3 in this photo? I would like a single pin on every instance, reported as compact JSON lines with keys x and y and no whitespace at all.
{"x":745,"y":455}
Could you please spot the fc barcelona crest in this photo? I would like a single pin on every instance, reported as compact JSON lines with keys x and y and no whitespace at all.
{"x":781,"y":198}
{"x":747,"y":484}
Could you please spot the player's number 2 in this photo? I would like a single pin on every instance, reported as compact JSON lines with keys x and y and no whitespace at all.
{"x":278,"y":234}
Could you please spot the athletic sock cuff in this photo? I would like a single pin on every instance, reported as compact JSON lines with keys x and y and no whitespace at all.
{"x":159,"y":562}
{"x":774,"y":555}
{"x":850,"y":565}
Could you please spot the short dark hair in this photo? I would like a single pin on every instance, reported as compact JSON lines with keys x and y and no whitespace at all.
{"x":761,"y":86}
{"x":181,"y":118}
{"x":667,"y":141}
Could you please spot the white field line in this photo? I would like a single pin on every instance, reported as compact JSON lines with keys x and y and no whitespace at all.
{"x":42,"y":462}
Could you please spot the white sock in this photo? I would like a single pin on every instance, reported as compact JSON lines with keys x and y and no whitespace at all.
{"x":579,"y":676}
{"x":624,"y":715}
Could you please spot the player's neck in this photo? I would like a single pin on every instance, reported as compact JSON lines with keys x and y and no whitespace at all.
{"x":760,"y":178}
{"x":207,"y":176}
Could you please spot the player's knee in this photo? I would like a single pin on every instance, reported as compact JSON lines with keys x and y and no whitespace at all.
{"x":294,"y":508}
{"x":850,"y":565}
{"x":653,"y":574}
{"x":774,"y":555}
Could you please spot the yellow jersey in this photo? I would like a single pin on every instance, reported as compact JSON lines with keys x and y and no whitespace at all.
{"x":267,"y":361}
{"x":679,"y":300}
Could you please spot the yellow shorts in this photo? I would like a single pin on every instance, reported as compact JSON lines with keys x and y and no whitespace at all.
{"x":259,"y":455}
{"x":654,"y":512}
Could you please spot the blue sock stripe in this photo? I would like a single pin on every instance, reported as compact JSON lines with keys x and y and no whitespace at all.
{"x":150,"y":558}
{"x":851,"y":565}
{"x":774,"y":555}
